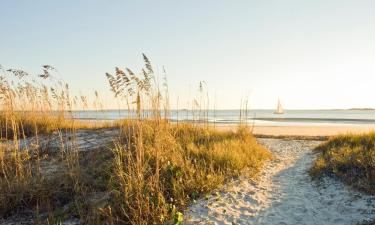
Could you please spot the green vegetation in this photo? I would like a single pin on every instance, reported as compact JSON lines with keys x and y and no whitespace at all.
{"x":351,"y":158}
{"x":148,"y":175}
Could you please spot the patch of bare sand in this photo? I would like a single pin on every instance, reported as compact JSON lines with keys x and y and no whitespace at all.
{"x":321,"y":130}
{"x":284,"y":194}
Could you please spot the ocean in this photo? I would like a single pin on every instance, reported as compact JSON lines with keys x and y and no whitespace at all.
{"x":256,"y":117}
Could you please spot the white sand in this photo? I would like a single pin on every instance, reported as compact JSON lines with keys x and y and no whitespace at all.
{"x":303,"y":130}
{"x":284,"y":194}
{"x":311,"y":130}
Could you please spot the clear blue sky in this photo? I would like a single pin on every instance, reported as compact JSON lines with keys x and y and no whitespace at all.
{"x":311,"y":54}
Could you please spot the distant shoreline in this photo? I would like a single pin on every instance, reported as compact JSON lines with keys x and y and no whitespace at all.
{"x":362,"y":109}
{"x":280,"y":121}
{"x":190,"y":110}
{"x":303,"y":132}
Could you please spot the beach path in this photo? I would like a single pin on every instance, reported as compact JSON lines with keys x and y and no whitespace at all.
{"x":283,"y":194}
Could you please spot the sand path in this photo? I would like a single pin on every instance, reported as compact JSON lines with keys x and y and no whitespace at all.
{"x":284,"y":194}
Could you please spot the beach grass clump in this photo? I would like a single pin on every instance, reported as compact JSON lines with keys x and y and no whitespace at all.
{"x":158,"y":169}
{"x":351,"y":158}
{"x":38,"y":104}
{"x":29,"y":107}
{"x":25,"y":185}
{"x":147,"y":174}
{"x":28,"y":124}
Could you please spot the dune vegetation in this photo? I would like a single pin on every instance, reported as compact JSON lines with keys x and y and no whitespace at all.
{"x":351,"y":158}
{"x":147,"y":174}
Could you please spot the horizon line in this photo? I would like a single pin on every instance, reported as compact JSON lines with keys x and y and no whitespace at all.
{"x":237,"y":109}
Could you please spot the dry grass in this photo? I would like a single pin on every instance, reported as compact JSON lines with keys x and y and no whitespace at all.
{"x":21,"y":124}
{"x":160,"y":168}
{"x":153,"y":172}
{"x":31,"y":106}
{"x":351,"y":158}
{"x":148,"y":176}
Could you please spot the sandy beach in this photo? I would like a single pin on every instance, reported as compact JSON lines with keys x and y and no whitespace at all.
{"x":283,"y":194}
{"x":310,"y":131}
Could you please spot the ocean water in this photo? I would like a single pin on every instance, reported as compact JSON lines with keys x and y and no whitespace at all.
{"x":256,"y":117}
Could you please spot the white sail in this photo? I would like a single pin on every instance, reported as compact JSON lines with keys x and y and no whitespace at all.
{"x":279,"y":109}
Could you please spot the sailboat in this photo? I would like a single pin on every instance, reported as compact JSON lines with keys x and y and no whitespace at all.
{"x":279,"y":109}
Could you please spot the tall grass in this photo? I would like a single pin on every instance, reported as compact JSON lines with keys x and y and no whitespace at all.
{"x":149,"y":175}
{"x":160,"y":168}
{"x":351,"y":158}
{"x":34,"y":106}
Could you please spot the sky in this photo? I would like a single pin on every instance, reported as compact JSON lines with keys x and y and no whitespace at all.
{"x":311,"y":54}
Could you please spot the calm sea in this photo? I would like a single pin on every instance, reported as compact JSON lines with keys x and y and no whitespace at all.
{"x":257,"y":117}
